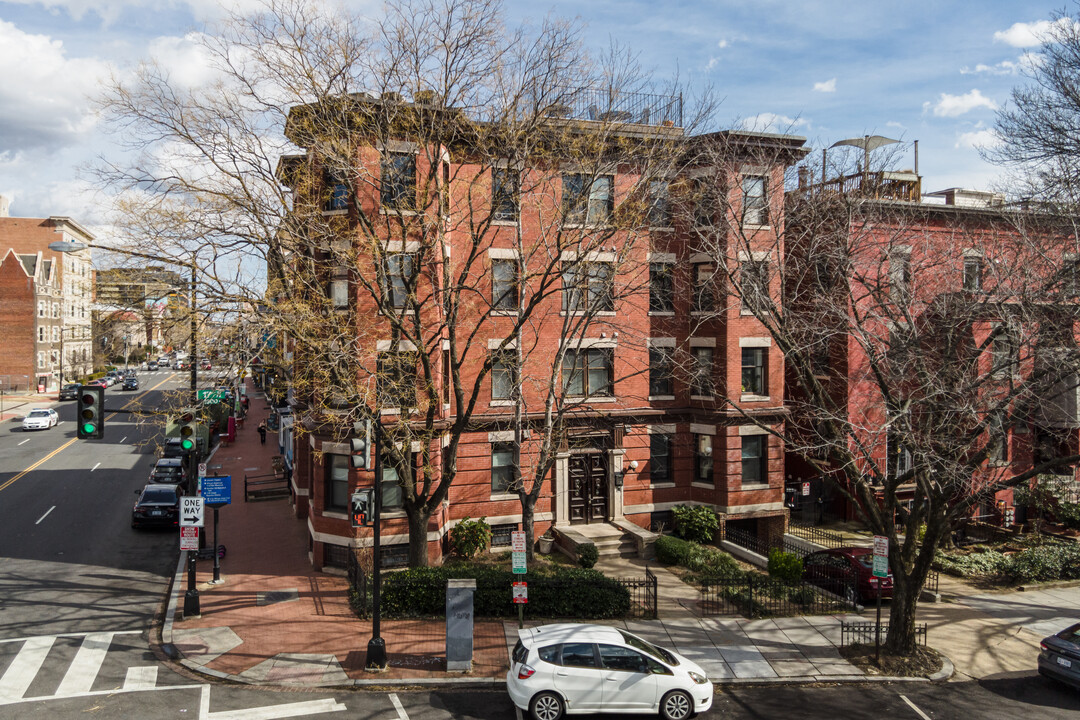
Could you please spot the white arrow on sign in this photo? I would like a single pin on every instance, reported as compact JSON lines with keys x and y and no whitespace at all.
{"x":191,"y":511}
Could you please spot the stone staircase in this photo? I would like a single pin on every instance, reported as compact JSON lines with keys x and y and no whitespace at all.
{"x":611,"y":541}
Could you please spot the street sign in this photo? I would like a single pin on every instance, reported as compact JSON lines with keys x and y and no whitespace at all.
{"x":202,"y":469}
{"x":517,"y":541}
{"x":217,"y":491}
{"x":211,"y":397}
{"x":881,"y":556}
{"x":189,"y":538}
{"x":518,"y":563}
{"x":806,"y":489}
{"x":521,"y":593}
{"x":191,"y":511}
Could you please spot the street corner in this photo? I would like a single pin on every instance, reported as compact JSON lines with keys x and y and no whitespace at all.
{"x":201,"y":646}
{"x":302,"y":669}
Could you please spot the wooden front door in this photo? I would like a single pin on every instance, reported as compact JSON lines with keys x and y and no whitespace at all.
{"x":588,"y":488}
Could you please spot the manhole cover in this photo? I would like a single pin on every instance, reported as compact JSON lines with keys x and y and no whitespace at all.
{"x":276,"y":596}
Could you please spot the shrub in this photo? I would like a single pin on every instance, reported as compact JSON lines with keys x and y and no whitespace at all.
{"x":555,"y":592}
{"x":672,"y":550}
{"x":785,"y":567}
{"x":706,"y":561}
{"x":587,"y":555}
{"x":696,"y":523}
{"x":470,"y":537}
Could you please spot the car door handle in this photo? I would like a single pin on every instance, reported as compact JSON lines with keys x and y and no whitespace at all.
{"x":563,"y":674}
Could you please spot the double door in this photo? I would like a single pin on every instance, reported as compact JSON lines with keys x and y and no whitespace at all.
{"x":588,"y":488}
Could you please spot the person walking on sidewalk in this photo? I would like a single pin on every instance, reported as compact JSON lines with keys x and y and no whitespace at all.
{"x":262,"y":432}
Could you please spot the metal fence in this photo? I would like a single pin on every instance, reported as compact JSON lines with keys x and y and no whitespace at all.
{"x":864,"y":633}
{"x":824,"y":538}
{"x":611,"y":105}
{"x":643,"y":595}
{"x":754,"y":597}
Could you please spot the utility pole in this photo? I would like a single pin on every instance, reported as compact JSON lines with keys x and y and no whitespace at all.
{"x":376,"y":649}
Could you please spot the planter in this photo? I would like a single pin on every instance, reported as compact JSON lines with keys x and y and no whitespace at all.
{"x":545,"y":544}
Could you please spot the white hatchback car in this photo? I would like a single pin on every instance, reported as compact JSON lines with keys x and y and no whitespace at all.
{"x":576,"y":668}
{"x":40,"y":419}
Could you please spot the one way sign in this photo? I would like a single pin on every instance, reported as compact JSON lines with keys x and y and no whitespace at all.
{"x":191,"y":511}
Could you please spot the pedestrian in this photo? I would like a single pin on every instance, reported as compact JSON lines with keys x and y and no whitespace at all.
{"x":262,"y":433}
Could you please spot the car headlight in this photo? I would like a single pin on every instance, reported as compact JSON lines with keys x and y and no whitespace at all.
{"x":698,"y":678}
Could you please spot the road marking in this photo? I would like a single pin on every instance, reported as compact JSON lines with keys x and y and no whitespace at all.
{"x":84,"y":668}
{"x":16,"y":681}
{"x":95,"y":467}
{"x":914,"y":707}
{"x":141,"y":678}
{"x":40,"y":462}
{"x":123,"y":439}
{"x":402,"y":715}
{"x":67,"y":635}
{"x":25,"y":441}
{"x":268,"y":712}
{"x":45,"y":515}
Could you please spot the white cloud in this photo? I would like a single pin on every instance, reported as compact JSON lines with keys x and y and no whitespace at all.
{"x":713,"y":62}
{"x":112,"y":10}
{"x":1028,"y":34}
{"x":185,"y":59}
{"x":956,"y":105}
{"x":977,"y":139}
{"x":1005,"y":67}
{"x":722,"y":44}
{"x":42,"y":96}
{"x":827,"y":87}
{"x":771,"y":122}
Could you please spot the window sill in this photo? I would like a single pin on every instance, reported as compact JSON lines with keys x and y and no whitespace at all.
{"x":397,"y":411}
{"x":661,"y":313}
{"x":334,"y":514}
{"x":400,"y":213}
{"x":708,"y":486}
{"x":386,"y":514}
{"x":664,"y":228}
{"x":583,"y":313}
{"x":505,"y":223}
{"x":756,"y":226}
{"x":999,"y":463}
{"x":702,"y":313}
{"x":586,"y":226}
{"x":504,"y":313}
{"x":755,"y":486}
{"x":504,"y":496}
{"x":502,"y":403}
{"x":594,"y":399}
{"x":661,"y":485}
{"x":750,"y":397}
{"x":708,"y":398}
{"x":335,"y":213}
{"x":659,"y":398}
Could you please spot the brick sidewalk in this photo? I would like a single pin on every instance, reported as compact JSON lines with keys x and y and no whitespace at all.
{"x":274,"y":619}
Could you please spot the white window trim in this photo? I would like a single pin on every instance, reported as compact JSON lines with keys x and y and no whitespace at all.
{"x":709,"y":342}
{"x":699,"y":258}
{"x":659,"y":342}
{"x":503,"y":403}
{"x":750,"y":397}
{"x":660,"y":429}
{"x":752,"y":430}
{"x":496,"y":343}
{"x":662,"y":258}
{"x":403,"y":346}
{"x":699,"y":429}
{"x":755,"y":255}
{"x":399,"y":146}
{"x":393,"y":247}
{"x":660,"y":398}
{"x":585,"y":343}
{"x":751,"y":342}
{"x":504,"y":253}
{"x":974,"y":253}
{"x":591,"y":256}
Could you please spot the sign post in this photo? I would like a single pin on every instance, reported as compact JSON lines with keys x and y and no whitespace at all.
{"x":189,"y":538}
{"x":881,"y":570}
{"x":216,"y":491}
{"x":519,"y":567}
{"x":520,"y":594}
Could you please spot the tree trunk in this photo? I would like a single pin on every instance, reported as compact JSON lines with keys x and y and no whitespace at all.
{"x":528,"y":514}
{"x":901,"y":637}
{"x":418,"y":523}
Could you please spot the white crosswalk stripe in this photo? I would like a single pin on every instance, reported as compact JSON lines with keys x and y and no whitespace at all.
{"x":24,"y":668}
{"x":84,"y":668}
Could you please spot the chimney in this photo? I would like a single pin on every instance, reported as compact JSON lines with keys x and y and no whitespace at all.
{"x":4,"y":205}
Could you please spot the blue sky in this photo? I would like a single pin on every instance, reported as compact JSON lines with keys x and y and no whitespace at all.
{"x":928,"y":71}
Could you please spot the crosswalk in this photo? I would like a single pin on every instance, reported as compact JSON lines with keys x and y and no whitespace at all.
{"x":73,"y":665}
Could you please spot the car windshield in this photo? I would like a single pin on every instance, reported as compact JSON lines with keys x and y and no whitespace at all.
{"x":657,"y":652}
{"x":1071,"y":634}
{"x":38,"y":413}
{"x":159,"y":495}
{"x":865,"y":559}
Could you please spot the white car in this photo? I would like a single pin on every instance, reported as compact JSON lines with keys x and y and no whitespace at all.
{"x":40,"y":419}
{"x":574,"y":669}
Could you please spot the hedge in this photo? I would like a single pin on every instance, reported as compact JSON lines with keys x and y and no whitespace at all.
{"x":707,"y":561}
{"x":556,"y":593}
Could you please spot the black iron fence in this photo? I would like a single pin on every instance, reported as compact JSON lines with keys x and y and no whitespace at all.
{"x":864,"y":633}
{"x":643,"y":595}
{"x":359,"y":597}
{"x":612,"y":105}
{"x":824,"y":538}
{"x":761,"y":546}
{"x":758,"y":597}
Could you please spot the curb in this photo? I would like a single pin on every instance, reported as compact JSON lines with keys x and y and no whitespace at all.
{"x":947,"y":670}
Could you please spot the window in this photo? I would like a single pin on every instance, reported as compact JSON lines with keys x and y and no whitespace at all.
{"x":339,"y":293}
{"x":56,"y":333}
{"x":1004,"y":354}
{"x":704,"y":299}
{"x":661,"y":288}
{"x":395,"y":384}
{"x":398,"y":191}
{"x":898,"y":458}
{"x":998,"y":438}
{"x":755,"y":285}
{"x":587,"y":200}
{"x":659,"y":458}
{"x":41,"y":311}
{"x":755,"y":200}
{"x":900,"y":275}
{"x":1071,"y":279}
{"x":390,"y":490}
{"x":41,"y":333}
{"x":659,"y":215}
{"x":578,"y":655}
{"x":41,"y":360}
{"x":704,"y":202}
{"x":589,"y":287}
{"x":660,"y":371}
{"x":504,"y":375}
{"x":703,"y":462}
{"x":504,"y":284}
{"x":447,"y":378}
{"x":400,"y":277}
{"x":754,"y":375}
{"x":504,"y":194}
{"x":337,"y":193}
{"x":755,"y":455}
{"x":502,"y":467}
{"x":616,"y":657}
{"x":588,"y":372}
{"x":337,"y":481}
{"x":973,"y":270}
{"x":701,"y":384}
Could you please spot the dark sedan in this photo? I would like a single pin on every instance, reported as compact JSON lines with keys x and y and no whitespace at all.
{"x":847,"y":572}
{"x":130,"y":383}
{"x":1060,"y":656}
{"x":157,"y":506}
{"x":70,"y":391}
{"x":169,"y":471}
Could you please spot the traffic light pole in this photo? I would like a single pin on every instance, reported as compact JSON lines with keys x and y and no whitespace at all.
{"x":376,"y":649}
{"x":191,"y":597}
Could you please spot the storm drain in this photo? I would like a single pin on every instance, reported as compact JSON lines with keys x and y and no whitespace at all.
{"x":271,"y":597}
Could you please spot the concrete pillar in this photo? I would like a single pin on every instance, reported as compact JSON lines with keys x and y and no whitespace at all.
{"x":615,"y":489}
{"x":562,"y":489}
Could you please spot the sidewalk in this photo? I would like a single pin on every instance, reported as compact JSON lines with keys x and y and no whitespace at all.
{"x":273,"y":620}
{"x":16,"y":405}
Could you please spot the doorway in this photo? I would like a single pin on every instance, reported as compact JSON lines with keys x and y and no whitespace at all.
{"x":588,"y":488}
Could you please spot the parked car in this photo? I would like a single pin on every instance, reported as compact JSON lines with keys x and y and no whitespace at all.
{"x":70,"y":391}
{"x":847,"y":572}
{"x":576,"y":668}
{"x":169,"y":471}
{"x":40,"y":419}
{"x":172,"y":449}
{"x":152,"y":365}
{"x":1060,"y":656}
{"x":158,"y":505}
{"x":206,"y":365}
{"x":100,"y":382}
{"x":113,"y":377}
{"x":130,"y":383}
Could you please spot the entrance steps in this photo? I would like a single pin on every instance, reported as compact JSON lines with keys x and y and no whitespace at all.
{"x":624,"y":540}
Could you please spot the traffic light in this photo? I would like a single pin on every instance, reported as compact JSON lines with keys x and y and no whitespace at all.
{"x":361,"y":507}
{"x":361,"y":445}
{"x":187,"y":422}
{"x":91,"y":413}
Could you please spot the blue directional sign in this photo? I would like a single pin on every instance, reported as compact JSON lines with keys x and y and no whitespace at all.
{"x":217,"y":490}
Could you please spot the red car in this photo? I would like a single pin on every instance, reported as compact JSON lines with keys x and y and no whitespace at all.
{"x":847,"y":572}
{"x":100,"y":382}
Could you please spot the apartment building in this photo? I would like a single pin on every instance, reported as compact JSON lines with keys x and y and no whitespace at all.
{"x":555,"y":310}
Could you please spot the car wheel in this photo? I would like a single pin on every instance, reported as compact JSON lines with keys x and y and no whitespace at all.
{"x":546,"y":706}
{"x":676,"y":705}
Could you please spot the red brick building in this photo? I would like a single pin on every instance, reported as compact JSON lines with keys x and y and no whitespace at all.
{"x":45,"y":299}
{"x":654,"y":389}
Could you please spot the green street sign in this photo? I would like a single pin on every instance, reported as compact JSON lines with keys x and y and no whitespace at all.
{"x":518,"y":563}
{"x":211,"y":397}
{"x":881,"y":566}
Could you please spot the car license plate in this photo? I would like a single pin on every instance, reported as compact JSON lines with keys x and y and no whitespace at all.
{"x":156,"y":513}
{"x":1064,"y":663}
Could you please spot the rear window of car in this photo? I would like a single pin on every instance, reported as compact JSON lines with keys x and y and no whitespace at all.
{"x":1070,"y":634}
{"x":578,"y":655}
{"x":520,"y":653}
{"x":158,"y":495}
{"x":549,"y":654}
